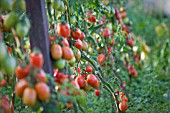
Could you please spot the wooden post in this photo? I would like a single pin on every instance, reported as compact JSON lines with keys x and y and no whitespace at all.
{"x":39,"y":30}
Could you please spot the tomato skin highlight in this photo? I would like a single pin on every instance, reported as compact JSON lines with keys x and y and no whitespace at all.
{"x":22,"y":72}
{"x":43,"y":91}
{"x":29,"y":97}
{"x":36,"y":60}
{"x":63,"y":30}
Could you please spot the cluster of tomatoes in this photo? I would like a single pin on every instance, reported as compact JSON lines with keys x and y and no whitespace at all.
{"x":31,"y":85}
{"x":123,"y":103}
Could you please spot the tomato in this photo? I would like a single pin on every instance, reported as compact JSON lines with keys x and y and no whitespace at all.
{"x":20,"y":87}
{"x":73,"y":90}
{"x":89,"y":69}
{"x":125,"y":99}
{"x":101,"y":59}
{"x":106,"y":33}
{"x":123,"y":14}
{"x":11,"y":20}
{"x":96,"y":86}
{"x":78,"y":44}
{"x":97,"y":92}
{"x":29,"y":96}
{"x":123,"y":106}
{"x":3,"y":51}
{"x":92,"y":80}
{"x":63,"y":30}
{"x":109,"y":48}
{"x":81,"y":81}
{"x":67,"y":53}
{"x":2,"y":82}
{"x":72,"y":61}
{"x":5,"y":104}
{"x":90,"y":51}
{"x":130,"y":67}
{"x":76,"y":34}
{"x":85,"y":45}
{"x":56,"y":51}
{"x":22,"y":72}
{"x":64,"y":42}
{"x":21,"y":29}
{"x":43,"y":91}
{"x":124,"y":28}
{"x":117,"y":14}
{"x":78,"y":70}
{"x":92,"y":18}
{"x":59,"y":64}
{"x":78,"y":55}
{"x":9,"y":50}
{"x":129,"y":42}
{"x":22,"y":5}
{"x":60,"y":77}
{"x":9,"y":65}
{"x":52,"y":38}
{"x":58,"y":5}
{"x":124,"y":63}
{"x":36,"y":59}
{"x":75,"y":84}
{"x":41,"y":76}
{"x":82,"y":36}
{"x":73,"y":20}
{"x":133,"y":72}
{"x":6,"y":4}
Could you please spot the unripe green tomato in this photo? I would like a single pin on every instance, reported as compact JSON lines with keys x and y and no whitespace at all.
{"x":62,"y":7}
{"x":90,"y":51}
{"x":3,"y":51}
{"x":73,"y":20}
{"x":72,"y":61}
{"x":6,"y":4}
{"x":60,"y":64}
{"x":9,"y":65}
{"x":21,"y":29}
{"x":22,"y":5}
{"x":11,"y":20}
{"x":27,"y":22}
{"x":55,"y":4}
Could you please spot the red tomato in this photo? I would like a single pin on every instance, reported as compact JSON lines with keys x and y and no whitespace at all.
{"x":52,"y":38}
{"x":20,"y":87}
{"x":63,"y":30}
{"x":56,"y":51}
{"x":22,"y":72}
{"x":97,"y":92}
{"x":89,"y":69}
{"x":79,"y":70}
{"x":117,"y":14}
{"x":78,"y":44}
{"x":29,"y":97}
{"x":81,"y":81}
{"x":82,"y":36}
{"x":124,"y":63}
{"x":92,"y":80}
{"x":124,"y":28}
{"x":64,"y":42}
{"x":125,"y":99}
{"x":5,"y":106}
{"x":36,"y":59}
{"x":101,"y":59}
{"x":109,"y":50}
{"x":41,"y":76}
{"x":129,"y":42}
{"x":60,"y":77}
{"x":92,"y":18}
{"x":106,"y":33}
{"x":96,"y":86}
{"x":123,"y":106}
{"x":43,"y":91}
{"x":76,"y":34}
{"x":67,"y":53}
{"x":2,"y":83}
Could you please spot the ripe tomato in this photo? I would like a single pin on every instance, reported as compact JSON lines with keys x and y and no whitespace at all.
{"x":59,"y":64}
{"x":60,"y":77}
{"x":56,"y":51}
{"x":109,"y":50}
{"x":123,"y":106}
{"x":76,"y":34}
{"x":5,"y":104}
{"x":89,"y":69}
{"x":3,"y":51}
{"x":29,"y":96}
{"x":78,"y":55}
{"x":63,"y":30}
{"x":81,"y":81}
{"x":43,"y":91}
{"x":36,"y":59}
{"x":20,"y":87}
{"x":78,"y":44}
{"x":92,"y":80}
{"x":117,"y":14}
{"x":82,"y":36}
{"x":106,"y":33}
{"x":96,"y":86}
{"x":92,"y":18}
{"x":101,"y":59}
{"x":22,"y":72}
{"x":97,"y":92}
{"x":129,"y":42}
{"x":125,"y":99}
{"x":52,"y":38}
{"x":41,"y":76}
{"x":85,"y":45}
{"x":67,"y":53}
{"x":2,"y":82}
{"x":64,"y":42}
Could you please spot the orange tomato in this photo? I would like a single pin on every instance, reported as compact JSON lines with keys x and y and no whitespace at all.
{"x":56,"y":51}
{"x":20,"y":87}
{"x":67,"y":53}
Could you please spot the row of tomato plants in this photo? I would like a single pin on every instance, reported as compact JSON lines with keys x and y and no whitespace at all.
{"x":92,"y":48}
